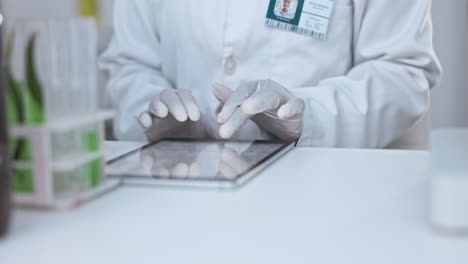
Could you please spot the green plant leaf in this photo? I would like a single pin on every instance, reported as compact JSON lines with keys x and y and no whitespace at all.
{"x":17,"y":108}
{"x":16,"y":111}
{"x":35,"y":112}
{"x":20,"y":150}
{"x":32,"y":79}
{"x":15,"y":90}
{"x":9,"y":47}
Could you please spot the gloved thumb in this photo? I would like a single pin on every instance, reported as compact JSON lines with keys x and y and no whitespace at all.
{"x":221,"y":92}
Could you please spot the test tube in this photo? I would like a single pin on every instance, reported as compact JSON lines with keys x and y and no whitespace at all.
{"x":58,"y":148}
{"x":88,"y":62}
{"x":44,"y":67}
{"x":93,"y":74}
{"x":91,"y":134}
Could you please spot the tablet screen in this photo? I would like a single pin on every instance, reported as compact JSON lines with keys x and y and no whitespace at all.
{"x":194,"y":160}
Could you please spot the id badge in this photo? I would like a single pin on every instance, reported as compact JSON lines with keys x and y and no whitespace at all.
{"x":307,"y":17}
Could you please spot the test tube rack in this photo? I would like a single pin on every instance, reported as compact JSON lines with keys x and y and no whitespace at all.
{"x":50,"y":180}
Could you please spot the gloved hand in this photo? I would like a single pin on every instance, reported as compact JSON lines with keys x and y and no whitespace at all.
{"x":270,"y":105}
{"x":169,"y":114}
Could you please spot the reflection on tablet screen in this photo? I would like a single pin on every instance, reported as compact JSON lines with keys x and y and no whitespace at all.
{"x":193,"y":160}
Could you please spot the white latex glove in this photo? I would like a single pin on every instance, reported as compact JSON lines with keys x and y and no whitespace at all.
{"x":270,"y":105}
{"x":171,"y":110}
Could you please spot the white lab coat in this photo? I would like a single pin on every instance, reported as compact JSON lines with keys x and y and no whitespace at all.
{"x":364,"y":86}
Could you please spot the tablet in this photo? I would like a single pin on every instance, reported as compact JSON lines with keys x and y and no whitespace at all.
{"x":196,"y":163}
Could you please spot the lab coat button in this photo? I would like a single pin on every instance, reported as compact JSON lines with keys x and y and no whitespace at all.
{"x":230,"y":65}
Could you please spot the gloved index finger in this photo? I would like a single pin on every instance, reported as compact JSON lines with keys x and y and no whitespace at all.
{"x":234,"y":123}
{"x":236,"y":100}
{"x":175,"y":105}
{"x":158,"y":108}
{"x":193,"y":111}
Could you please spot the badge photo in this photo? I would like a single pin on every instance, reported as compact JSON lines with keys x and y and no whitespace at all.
{"x":306,"y":17}
{"x":286,"y":9}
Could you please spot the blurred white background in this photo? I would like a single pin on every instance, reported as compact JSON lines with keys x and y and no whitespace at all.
{"x":450,"y":106}
{"x":449,"y":101}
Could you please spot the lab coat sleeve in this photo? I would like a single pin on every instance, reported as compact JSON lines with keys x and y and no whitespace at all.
{"x":387,"y":90}
{"x":133,"y":62}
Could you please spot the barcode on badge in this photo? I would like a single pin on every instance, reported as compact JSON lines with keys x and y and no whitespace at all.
{"x":293,"y":28}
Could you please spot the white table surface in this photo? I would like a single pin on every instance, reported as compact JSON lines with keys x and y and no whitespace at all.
{"x":312,"y":206}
